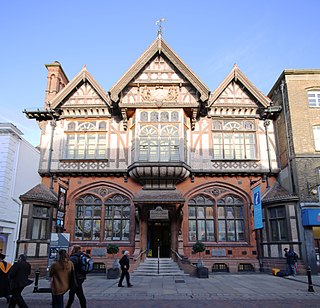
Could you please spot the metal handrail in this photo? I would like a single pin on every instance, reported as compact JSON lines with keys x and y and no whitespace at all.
{"x":158,"y":259}
{"x":140,"y":254}
{"x":177,"y":254}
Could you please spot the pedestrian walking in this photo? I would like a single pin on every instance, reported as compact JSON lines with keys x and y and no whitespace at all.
{"x":4,"y":277}
{"x":76,"y":257}
{"x":60,"y":271}
{"x":292,"y":259}
{"x":125,"y":265}
{"x":18,"y":280}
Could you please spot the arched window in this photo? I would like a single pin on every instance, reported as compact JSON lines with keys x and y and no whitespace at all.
{"x":216,"y":221}
{"x":201,"y":219}
{"x":117,"y":218}
{"x":88,"y":218}
{"x":230,"y":219}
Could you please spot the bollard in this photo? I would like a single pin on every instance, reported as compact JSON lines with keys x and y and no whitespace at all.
{"x":36,"y":281}
{"x":310,"y":286}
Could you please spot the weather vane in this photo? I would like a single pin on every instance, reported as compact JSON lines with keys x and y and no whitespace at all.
{"x":159,"y":24}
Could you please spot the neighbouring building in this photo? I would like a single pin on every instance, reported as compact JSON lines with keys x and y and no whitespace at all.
{"x":298,"y":128}
{"x":160,"y":160}
{"x":19,"y":165}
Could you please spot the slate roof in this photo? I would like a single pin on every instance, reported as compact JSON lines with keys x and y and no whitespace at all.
{"x":40,"y":193}
{"x":277,"y":193}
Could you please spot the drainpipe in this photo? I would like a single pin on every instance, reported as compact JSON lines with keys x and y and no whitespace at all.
{"x":266,"y":124}
{"x":291,"y":185}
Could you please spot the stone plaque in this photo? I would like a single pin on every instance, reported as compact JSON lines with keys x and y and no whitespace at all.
{"x":99,"y":252}
{"x":159,"y":214}
{"x":219,"y":253}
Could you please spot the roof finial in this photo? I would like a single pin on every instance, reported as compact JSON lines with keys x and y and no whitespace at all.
{"x":159,"y":24}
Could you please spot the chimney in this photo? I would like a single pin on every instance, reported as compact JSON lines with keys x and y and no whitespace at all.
{"x":57,"y":80}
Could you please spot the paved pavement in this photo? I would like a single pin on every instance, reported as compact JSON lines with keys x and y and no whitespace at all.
{"x":224,"y":290}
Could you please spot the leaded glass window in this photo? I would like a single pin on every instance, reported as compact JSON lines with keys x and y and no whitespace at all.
{"x":117,"y":218}
{"x":233,"y":140}
{"x":88,"y":218}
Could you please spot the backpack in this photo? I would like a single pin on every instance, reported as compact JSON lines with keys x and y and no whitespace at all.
{"x":86,"y":264}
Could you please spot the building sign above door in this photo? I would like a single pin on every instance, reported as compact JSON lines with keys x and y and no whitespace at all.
{"x":159,"y":214}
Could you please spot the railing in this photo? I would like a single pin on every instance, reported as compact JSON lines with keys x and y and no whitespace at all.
{"x":140,"y":254}
{"x":177,"y":254}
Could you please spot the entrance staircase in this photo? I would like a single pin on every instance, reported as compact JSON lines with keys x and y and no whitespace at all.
{"x":167,"y":267}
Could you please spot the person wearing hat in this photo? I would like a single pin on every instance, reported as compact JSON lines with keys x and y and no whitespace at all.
{"x":18,"y":278}
{"x":4,"y":277}
{"x":125,"y":265}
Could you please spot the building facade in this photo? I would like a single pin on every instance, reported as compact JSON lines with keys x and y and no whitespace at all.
{"x":159,"y":162}
{"x":19,"y":164}
{"x":298,"y":128}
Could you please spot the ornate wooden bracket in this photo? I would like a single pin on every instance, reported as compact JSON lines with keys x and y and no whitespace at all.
{"x":194,"y":118}
{"x":125,"y":119}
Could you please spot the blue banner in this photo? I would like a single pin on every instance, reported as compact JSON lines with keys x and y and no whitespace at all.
{"x":257,"y":208}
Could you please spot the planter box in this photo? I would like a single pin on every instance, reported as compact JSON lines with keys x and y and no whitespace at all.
{"x":113,"y":273}
{"x":202,"y":272}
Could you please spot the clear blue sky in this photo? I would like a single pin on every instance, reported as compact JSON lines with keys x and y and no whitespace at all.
{"x":262,"y":37}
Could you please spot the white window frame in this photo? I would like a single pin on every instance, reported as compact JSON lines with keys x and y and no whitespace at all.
{"x":314,"y":99}
{"x":316,"y":137}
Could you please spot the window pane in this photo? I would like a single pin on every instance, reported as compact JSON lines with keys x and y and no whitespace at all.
{"x":274,"y":230}
{"x":96,"y":230}
{"x":221,"y":212}
{"x":192,"y":212}
{"x":87,"y":230}
{"x":200,"y":212}
{"x":210,"y":230}
{"x":240,"y":230}
{"x":43,"y":230}
{"x":201,"y":230}
{"x":35,"y":228}
{"x":222,"y":230}
{"x":192,"y":230}
{"x":230,"y":231}
{"x":209,"y":212}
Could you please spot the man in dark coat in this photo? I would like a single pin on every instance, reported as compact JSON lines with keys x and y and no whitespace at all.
{"x":18,"y":278}
{"x":4,"y":277}
{"x":80,"y":276}
{"x":292,"y":259}
{"x":125,"y":265}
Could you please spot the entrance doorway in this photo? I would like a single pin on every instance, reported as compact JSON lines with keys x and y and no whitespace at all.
{"x":159,"y":235}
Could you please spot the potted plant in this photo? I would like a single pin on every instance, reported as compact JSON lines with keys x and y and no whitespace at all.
{"x":113,"y":273}
{"x":202,"y":271}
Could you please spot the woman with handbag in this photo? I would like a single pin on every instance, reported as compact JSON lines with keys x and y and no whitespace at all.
{"x":61,"y":273}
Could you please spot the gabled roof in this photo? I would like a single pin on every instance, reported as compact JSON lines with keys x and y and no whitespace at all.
{"x":237,"y":75}
{"x":40,"y":193}
{"x":82,"y":76}
{"x":159,"y":46}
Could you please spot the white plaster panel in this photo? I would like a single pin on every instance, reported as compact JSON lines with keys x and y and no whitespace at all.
{"x":23,"y":233}
{"x":31,"y":251}
{"x":292,"y":211}
{"x":26,"y":209}
{"x":43,"y":251}
{"x":294,"y":231}
{"x":274,"y":251}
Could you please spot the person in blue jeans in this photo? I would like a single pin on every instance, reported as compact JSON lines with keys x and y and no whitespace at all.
{"x":292,"y":259}
{"x":80,"y":276}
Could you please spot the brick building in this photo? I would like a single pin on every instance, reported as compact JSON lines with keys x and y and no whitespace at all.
{"x":298,"y":130}
{"x":160,"y":160}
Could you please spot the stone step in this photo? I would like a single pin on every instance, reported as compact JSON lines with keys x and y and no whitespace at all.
{"x":167,"y":267}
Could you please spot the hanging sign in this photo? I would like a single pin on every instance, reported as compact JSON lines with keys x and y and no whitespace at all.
{"x":257,"y":208}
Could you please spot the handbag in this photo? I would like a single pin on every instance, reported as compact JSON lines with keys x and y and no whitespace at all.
{"x":73,"y":283}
